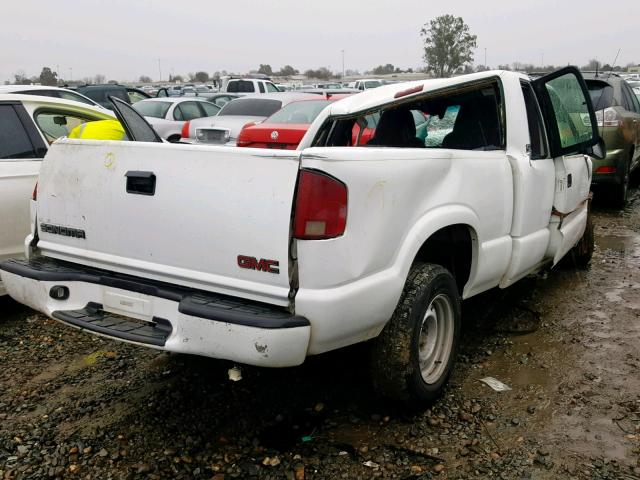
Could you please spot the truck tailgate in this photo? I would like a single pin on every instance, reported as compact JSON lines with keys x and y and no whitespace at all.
{"x":212,"y":218}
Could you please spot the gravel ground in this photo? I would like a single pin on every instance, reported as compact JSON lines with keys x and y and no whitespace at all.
{"x":73,"y":405}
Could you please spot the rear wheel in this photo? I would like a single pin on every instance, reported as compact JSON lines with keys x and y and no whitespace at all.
{"x":413,"y":356}
{"x":583,"y":251}
{"x":620,"y":191}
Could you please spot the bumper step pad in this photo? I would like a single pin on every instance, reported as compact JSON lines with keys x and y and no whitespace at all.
{"x":196,"y":303}
{"x":94,"y":319}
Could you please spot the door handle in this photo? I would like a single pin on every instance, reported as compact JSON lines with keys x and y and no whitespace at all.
{"x":141,"y":183}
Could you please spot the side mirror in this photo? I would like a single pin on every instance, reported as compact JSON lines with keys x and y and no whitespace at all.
{"x":598,"y":151}
{"x":60,"y":120}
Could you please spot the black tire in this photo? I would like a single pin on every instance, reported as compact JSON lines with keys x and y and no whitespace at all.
{"x":174,"y":139}
{"x":620,"y":191}
{"x":396,"y":368}
{"x":581,"y":253}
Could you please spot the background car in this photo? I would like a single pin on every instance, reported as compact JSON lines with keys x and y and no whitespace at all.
{"x":367,"y":83}
{"x":168,"y":115}
{"x":46,"y":91}
{"x":28,"y":124}
{"x":224,"y":128}
{"x":618,"y":115}
{"x":285,"y":128}
{"x":101,"y":93}
{"x":220,"y":99}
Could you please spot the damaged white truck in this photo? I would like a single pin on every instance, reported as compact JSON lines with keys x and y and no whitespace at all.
{"x":265,"y":257}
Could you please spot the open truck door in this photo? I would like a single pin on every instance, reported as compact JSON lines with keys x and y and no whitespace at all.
{"x":572,"y":133}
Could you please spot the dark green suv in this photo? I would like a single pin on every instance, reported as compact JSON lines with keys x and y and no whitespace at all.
{"x":101,"y":93}
{"x":618,"y":115}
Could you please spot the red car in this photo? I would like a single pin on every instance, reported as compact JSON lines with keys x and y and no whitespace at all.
{"x":285,"y":128}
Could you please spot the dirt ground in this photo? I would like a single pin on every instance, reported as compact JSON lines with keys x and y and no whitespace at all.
{"x":566,"y":342}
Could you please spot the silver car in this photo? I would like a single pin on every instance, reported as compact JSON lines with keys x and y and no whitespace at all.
{"x":168,"y":115}
{"x":224,"y":128}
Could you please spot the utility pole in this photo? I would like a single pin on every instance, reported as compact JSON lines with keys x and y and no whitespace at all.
{"x":70,"y":73}
{"x":159,"y":70}
{"x":343,"y":64}
{"x":542,"y":62}
{"x":485,"y":58}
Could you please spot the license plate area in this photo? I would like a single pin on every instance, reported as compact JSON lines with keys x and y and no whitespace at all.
{"x":128,"y":305}
{"x":209,"y":135}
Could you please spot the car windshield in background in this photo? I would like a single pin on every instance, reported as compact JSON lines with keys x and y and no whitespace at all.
{"x":601,"y":94}
{"x":152,"y":109}
{"x":299,"y":112}
{"x":251,"y":107}
{"x":372,"y":83}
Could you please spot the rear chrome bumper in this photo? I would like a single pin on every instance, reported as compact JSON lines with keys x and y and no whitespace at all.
{"x":159,"y":315}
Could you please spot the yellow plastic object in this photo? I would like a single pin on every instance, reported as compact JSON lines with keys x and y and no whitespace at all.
{"x":99,"y":130}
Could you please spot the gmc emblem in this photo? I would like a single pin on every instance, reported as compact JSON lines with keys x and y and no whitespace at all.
{"x":262,"y":265}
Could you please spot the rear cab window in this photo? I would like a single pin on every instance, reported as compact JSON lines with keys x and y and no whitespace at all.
{"x":251,"y":107}
{"x":241,"y":86}
{"x":469,"y":118}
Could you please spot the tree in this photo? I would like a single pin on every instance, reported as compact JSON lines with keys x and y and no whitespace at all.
{"x":265,"y":69}
{"x":47,"y":77}
{"x":384,"y":69}
{"x":21,"y":78}
{"x":287,"y":71}
{"x":592,"y":65}
{"x":177,"y":79}
{"x":145,"y":79}
{"x":323,"y":73}
{"x":99,"y":79}
{"x":447,"y":44}
{"x":202,"y":77}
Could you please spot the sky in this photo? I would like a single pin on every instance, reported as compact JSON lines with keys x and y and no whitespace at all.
{"x":126,"y":39}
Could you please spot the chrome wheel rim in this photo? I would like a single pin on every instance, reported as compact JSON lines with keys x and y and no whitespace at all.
{"x":436,"y":338}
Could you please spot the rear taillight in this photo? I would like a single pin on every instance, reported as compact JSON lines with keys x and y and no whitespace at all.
{"x":606,"y":169}
{"x":34,"y":196}
{"x":242,"y":140}
{"x":321,"y":207}
{"x":185,"y":129}
{"x":608,"y":118}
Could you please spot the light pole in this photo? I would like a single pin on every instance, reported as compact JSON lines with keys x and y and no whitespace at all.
{"x":342,"y":64}
{"x":159,"y":70}
{"x":70,"y":74}
{"x":485,"y":58}
{"x":542,"y":62}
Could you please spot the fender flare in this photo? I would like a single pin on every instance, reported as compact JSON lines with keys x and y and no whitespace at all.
{"x":429,"y":224}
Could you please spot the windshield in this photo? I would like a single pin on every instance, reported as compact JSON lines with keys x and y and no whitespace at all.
{"x":299,"y":112}
{"x":251,"y":107}
{"x":601,"y":94}
{"x":372,"y":83}
{"x":152,"y":109}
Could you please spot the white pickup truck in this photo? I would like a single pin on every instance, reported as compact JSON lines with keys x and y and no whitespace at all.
{"x":265,"y":257}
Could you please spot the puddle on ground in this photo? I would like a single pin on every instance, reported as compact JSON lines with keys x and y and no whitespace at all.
{"x":624,"y":245}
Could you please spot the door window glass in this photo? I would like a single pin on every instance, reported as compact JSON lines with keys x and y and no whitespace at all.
{"x":57,"y":124}
{"x":190,"y":110}
{"x":209,"y":109}
{"x":534,"y":119}
{"x":271,"y":88}
{"x":571,"y":113}
{"x":261,"y":87}
{"x":14,"y":141}
{"x":437,"y":128}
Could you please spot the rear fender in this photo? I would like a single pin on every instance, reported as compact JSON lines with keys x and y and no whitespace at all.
{"x":429,"y":224}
